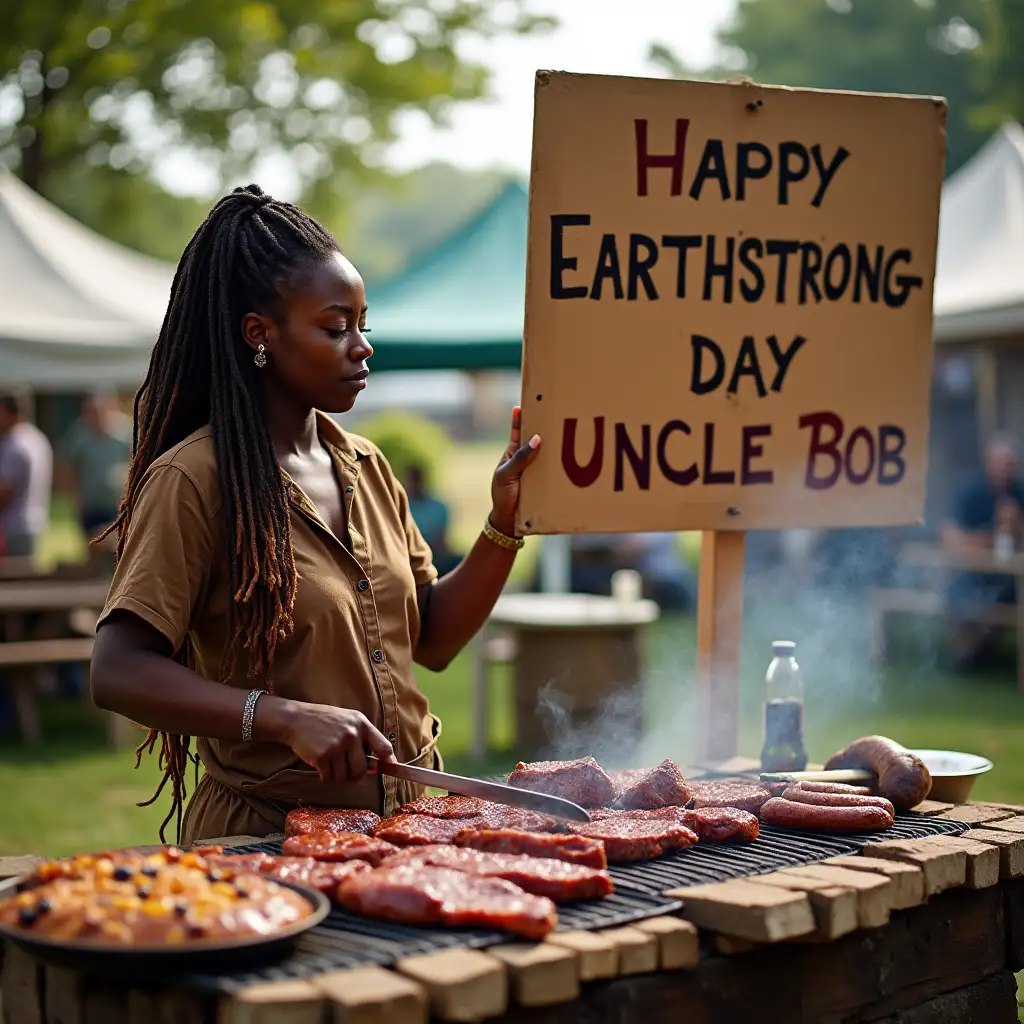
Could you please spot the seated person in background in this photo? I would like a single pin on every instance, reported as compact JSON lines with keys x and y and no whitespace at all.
{"x":666,"y":577}
{"x":993,"y":502}
{"x":431,"y":516}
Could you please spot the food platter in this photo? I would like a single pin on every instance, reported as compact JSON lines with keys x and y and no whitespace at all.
{"x":114,"y":959}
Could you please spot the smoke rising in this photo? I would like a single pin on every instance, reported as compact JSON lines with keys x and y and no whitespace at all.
{"x":821,"y":602}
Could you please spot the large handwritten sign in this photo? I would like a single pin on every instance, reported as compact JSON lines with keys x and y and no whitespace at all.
{"x":729,"y":305}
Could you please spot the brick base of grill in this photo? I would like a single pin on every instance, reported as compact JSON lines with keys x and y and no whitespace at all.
{"x":950,"y":960}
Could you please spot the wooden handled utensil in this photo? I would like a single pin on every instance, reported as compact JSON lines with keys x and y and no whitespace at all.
{"x":835,"y":775}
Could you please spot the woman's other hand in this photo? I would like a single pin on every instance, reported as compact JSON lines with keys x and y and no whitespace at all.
{"x":505,"y":483}
{"x":335,"y":741}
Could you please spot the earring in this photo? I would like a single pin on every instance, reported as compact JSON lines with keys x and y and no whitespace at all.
{"x":260,"y":359}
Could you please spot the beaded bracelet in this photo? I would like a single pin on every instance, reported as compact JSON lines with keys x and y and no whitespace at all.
{"x":248,"y":713}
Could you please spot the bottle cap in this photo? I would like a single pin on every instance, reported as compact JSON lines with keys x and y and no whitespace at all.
{"x":783,"y":648}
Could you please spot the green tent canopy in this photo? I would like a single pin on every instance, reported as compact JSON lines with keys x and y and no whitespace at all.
{"x":460,"y":305}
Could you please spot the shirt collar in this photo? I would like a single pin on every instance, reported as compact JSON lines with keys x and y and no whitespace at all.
{"x":349,"y":446}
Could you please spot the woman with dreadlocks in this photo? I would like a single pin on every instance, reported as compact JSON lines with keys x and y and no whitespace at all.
{"x":272,"y":590}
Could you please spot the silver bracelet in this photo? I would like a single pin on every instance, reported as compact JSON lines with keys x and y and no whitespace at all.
{"x":248,"y":713}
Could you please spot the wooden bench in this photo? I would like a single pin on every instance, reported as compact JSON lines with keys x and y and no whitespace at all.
{"x":19,"y":657}
{"x":886,"y":601}
{"x":59,"y":651}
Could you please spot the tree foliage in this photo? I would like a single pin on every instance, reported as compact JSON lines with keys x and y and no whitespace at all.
{"x":1001,"y":65}
{"x":964,"y":50}
{"x":119,"y":83}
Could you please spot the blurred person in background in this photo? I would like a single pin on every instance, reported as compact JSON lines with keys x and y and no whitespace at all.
{"x":26,"y":477}
{"x":667,"y":579}
{"x":989,"y":504}
{"x":432,"y":517}
{"x":93,"y":459}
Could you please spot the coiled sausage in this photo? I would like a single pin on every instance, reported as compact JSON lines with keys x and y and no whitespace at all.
{"x":903,"y":777}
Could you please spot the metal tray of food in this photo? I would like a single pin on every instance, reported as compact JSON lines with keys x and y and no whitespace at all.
{"x":115,"y":959}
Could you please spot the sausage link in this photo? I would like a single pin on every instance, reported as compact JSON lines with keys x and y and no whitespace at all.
{"x":832,"y":787}
{"x":903,"y":777}
{"x":814,"y":817}
{"x":803,"y":796}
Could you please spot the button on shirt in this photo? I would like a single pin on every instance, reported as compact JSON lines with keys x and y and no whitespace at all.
{"x":355,"y":600}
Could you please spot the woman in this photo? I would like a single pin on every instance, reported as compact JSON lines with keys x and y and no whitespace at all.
{"x":272,"y":590}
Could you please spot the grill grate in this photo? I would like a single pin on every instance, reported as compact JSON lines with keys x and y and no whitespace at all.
{"x":774,"y":850}
{"x":346,"y":940}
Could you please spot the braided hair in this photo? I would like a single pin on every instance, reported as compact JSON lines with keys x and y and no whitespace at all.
{"x":245,"y":253}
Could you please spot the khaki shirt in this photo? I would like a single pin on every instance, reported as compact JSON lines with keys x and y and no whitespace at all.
{"x":356,"y":625}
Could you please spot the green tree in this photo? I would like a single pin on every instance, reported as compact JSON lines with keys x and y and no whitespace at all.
{"x":131,"y":209}
{"x":929,"y":47}
{"x":118,"y":83}
{"x":1001,"y":65}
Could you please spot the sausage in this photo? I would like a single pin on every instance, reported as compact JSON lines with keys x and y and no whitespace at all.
{"x":831,"y":787}
{"x":903,"y":777}
{"x":803,"y":796}
{"x":814,"y":817}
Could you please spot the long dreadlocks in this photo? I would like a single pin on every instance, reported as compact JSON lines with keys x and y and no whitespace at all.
{"x":248,"y":249}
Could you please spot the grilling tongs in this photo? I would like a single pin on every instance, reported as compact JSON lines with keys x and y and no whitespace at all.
{"x":564,"y":810}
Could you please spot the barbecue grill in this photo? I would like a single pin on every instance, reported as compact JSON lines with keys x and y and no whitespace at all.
{"x":346,"y":940}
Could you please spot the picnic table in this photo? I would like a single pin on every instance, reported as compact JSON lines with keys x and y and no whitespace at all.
{"x":931,"y":601}
{"x":23,"y":649}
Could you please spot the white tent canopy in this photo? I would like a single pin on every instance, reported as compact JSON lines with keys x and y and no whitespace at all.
{"x":76,"y":310}
{"x":979,"y":281}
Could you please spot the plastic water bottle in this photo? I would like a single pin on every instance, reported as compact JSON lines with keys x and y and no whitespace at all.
{"x":783,"y":749}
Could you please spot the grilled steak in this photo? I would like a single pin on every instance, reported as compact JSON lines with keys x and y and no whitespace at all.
{"x":584,"y":782}
{"x":241,"y":863}
{"x":647,"y":788}
{"x":503,"y":816}
{"x":420,"y":830}
{"x":741,"y":793}
{"x":451,"y":806}
{"x":630,"y":839}
{"x":490,"y":815}
{"x":317,"y":874}
{"x":676,"y":815}
{"x":420,"y":894}
{"x":322,"y":875}
{"x":571,"y":849}
{"x":338,"y":846}
{"x":303,"y":820}
{"x":721,"y":824}
{"x":554,"y":879}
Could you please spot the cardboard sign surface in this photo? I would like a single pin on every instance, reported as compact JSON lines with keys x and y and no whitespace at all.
{"x":729,"y":305}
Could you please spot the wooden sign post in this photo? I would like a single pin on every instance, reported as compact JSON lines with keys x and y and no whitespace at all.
{"x":728,"y":321}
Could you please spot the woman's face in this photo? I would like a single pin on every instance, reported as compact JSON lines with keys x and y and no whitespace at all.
{"x":316,"y":350}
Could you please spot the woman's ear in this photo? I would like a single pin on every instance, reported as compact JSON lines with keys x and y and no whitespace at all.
{"x":258,"y":330}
